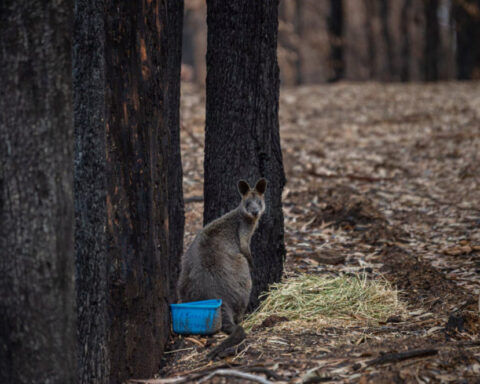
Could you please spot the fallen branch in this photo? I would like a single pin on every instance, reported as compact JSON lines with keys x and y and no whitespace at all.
{"x":193,"y":199}
{"x":400,"y":356}
{"x":349,"y":176}
{"x":269,"y":373}
{"x":178,"y":350}
{"x":207,"y":375}
{"x":237,"y":374}
{"x":172,"y":380}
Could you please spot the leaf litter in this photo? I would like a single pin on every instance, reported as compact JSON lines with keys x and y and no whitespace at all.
{"x":383,"y":183}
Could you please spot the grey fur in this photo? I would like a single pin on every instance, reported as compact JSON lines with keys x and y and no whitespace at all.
{"x":217,"y":264}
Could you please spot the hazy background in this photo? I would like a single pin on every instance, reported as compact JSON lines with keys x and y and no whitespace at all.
{"x":323,"y":41}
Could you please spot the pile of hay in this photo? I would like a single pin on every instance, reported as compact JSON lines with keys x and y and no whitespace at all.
{"x":310,"y":299}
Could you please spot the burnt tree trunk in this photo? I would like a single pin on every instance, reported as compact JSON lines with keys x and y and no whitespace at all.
{"x":129,"y":205}
{"x":172,"y":39}
{"x":335,"y":28}
{"x":467,"y":22}
{"x":405,"y":42}
{"x":242,"y":134}
{"x":298,"y":24}
{"x":371,"y":51}
{"x":432,"y":40}
{"x":387,"y":39}
{"x":37,"y":293}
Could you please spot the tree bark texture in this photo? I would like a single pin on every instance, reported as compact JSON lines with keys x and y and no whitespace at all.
{"x":242,"y":134}
{"x":129,"y":204}
{"x":176,"y":214}
{"x":37,"y":293}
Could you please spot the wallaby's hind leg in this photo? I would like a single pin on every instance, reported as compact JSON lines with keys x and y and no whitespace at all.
{"x":235,"y":332}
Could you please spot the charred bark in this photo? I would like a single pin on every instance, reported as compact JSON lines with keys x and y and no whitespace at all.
{"x":129,"y":207}
{"x":242,"y":133}
{"x":298,"y":49}
{"x":432,"y":40}
{"x":37,"y":294}
{"x":371,"y":51}
{"x":335,"y":28}
{"x":467,"y":21}
{"x":176,"y":214}
{"x":387,"y":39}
{"x":405,"y":47}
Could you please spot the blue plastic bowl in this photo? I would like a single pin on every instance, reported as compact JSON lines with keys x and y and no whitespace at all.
{"x":197,"y":317}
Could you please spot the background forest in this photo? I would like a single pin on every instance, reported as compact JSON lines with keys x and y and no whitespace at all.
{"x":359,"y":40}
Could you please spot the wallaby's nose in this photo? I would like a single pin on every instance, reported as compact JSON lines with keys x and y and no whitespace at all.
{"x":255,"y":212}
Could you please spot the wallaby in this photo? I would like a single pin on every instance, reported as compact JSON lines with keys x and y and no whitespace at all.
{"x":217,"y":264}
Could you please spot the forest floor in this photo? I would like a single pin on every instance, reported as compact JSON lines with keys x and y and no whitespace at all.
{"x":383,"y":180}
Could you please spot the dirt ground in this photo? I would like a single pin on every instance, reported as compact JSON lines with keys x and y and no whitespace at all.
{"x":384,"y":180}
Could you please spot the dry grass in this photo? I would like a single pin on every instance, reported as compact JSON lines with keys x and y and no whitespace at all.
{"x":315,"y":300}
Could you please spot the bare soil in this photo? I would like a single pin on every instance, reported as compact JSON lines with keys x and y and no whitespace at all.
{"x":382,"y":179}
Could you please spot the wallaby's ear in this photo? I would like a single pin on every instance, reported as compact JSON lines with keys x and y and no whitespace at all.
{"x":243,"y":187}
{"x":261,"y":186}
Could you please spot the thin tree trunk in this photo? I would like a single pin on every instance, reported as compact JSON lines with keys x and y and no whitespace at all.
{"x":128,"y":205}
{"x":405,"y":36}
{"x":432,"y":40}
{"x":387,"y":39}
{"x":37,"y":294}
{"x":299,"y":32}
{"x":467,"y":22}
{"x":335,"y":28}
{"x":370,"y":12}
{"x":242,"y":134}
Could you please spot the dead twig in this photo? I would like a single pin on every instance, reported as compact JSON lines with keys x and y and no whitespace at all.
{"x":178,"y":350}
{"x":171,"y":380}
{"x":350,"y":176}
{"x":399,"y":356}
{"x":204,"y":370}
{"x":269,"y":373}
{"x":205,"y":374}
{"x":193,"y":199}
{"x":237,"y":374}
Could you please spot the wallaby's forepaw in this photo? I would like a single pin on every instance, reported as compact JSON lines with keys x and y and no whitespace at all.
{"x":217,"y":352}
{"x":212,"y":355}
{"x":230,"y":346}
{"x":221,"y":352}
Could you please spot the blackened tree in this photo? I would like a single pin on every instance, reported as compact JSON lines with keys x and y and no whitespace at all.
{"x":242,"y":131}
{"x":298,"y":25}
{"x":335,"y":28}
{"x":387,"y":39}
{"x":37,"y":295}
{"x":405,"y":41}
{"x":370,"y":6}
{"x":466,"y":14}
{"x":129,"y":204}
{"x":432,"y":40}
